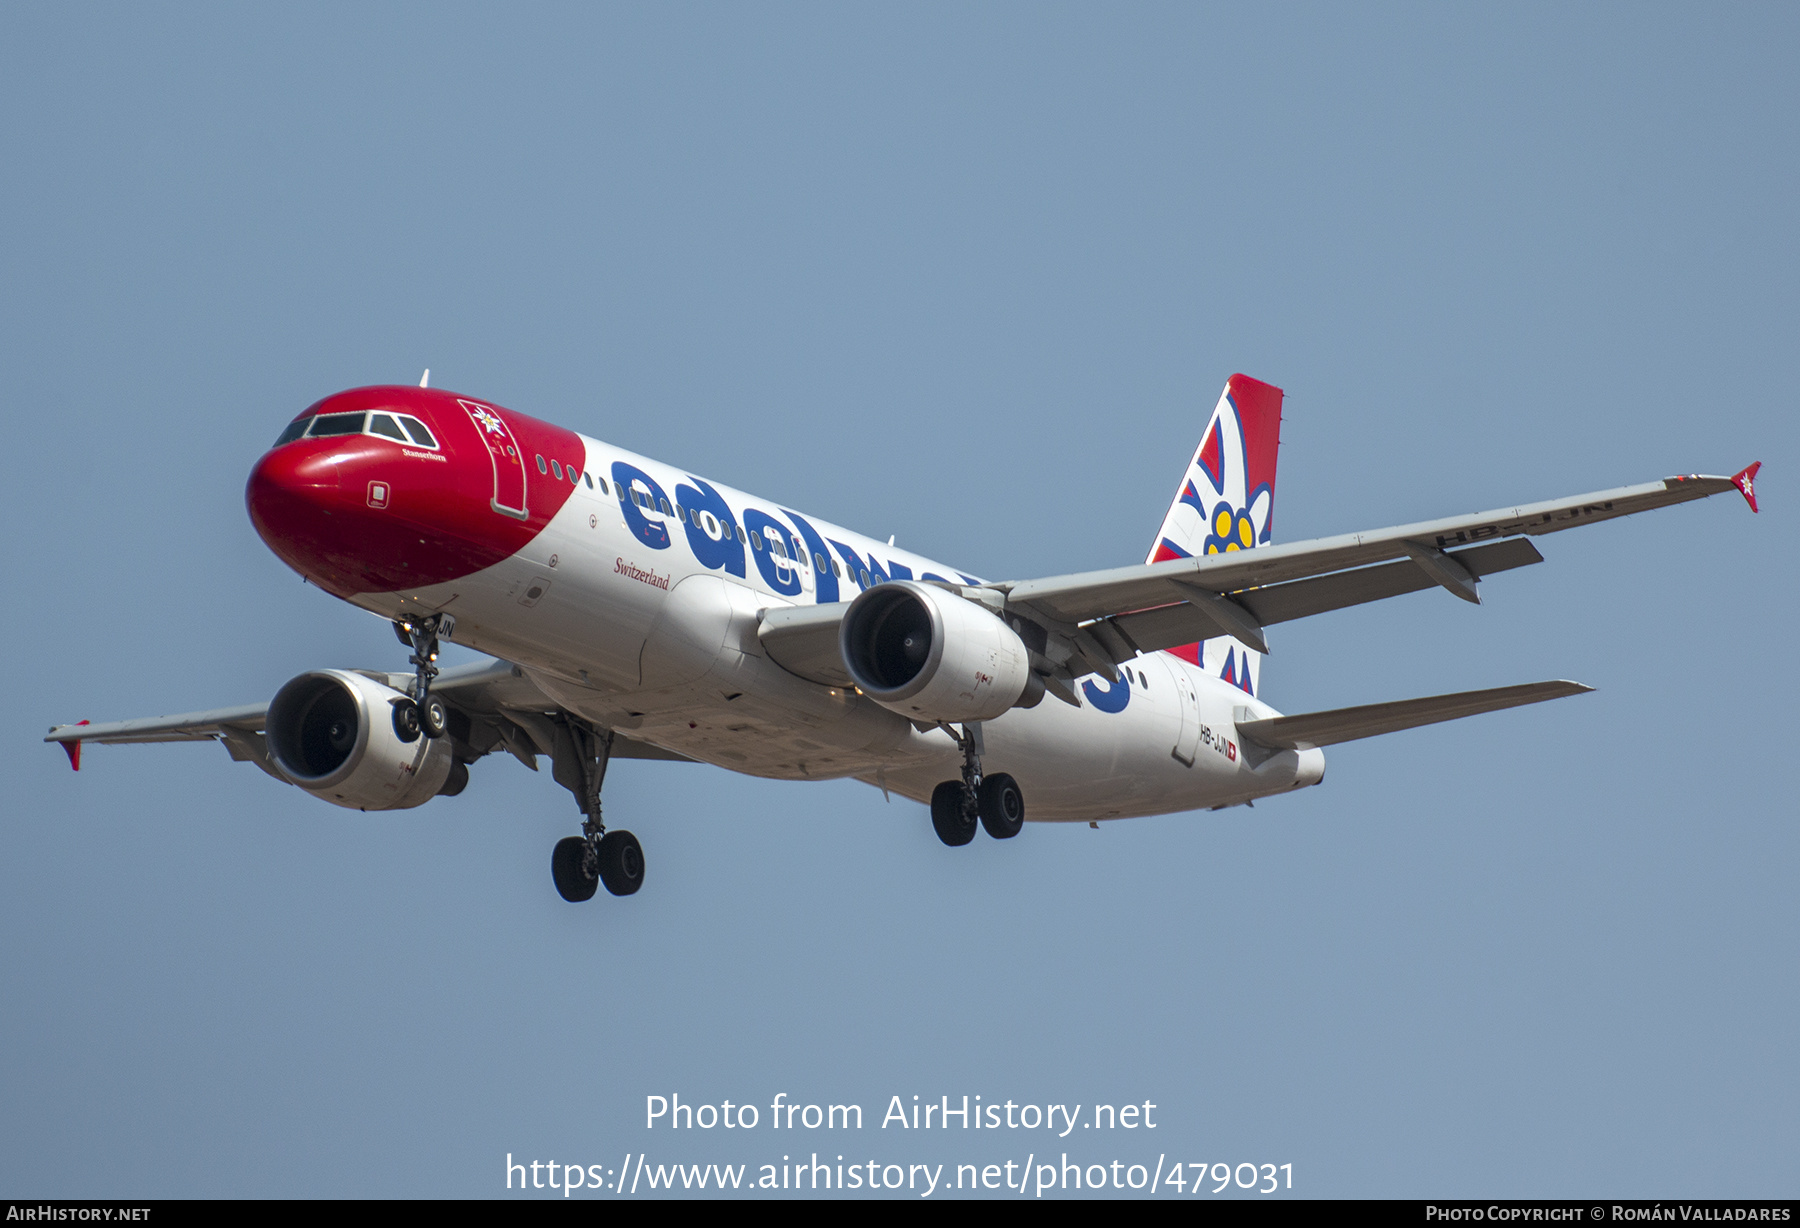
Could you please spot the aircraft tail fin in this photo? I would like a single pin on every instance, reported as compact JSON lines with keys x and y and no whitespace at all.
{"x":1226,"y":503}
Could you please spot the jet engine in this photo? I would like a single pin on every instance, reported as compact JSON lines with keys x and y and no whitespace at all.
{"x":930,"y":655}
{"x":332,"y":733}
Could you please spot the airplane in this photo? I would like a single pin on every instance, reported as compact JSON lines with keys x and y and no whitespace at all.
{"x":633,"y":609}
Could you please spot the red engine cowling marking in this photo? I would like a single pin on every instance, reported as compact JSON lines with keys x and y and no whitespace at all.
{"x":440,"y":512}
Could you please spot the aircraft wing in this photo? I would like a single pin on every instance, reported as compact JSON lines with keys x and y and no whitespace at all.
{"x":1309,"y":729}
{"x":188,"y":727}
{"x":1117,"y":613}
{"x":495,"y":694}
{"x":1098,"y":619}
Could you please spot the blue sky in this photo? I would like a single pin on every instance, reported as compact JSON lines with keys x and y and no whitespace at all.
{"x":971,"y":275}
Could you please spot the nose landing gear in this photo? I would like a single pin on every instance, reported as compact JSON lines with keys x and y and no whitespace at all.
{"x":996,"y":801}
{"x":421,"y":713}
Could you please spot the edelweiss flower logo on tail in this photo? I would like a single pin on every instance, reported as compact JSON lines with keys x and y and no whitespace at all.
{"x":1227,"y":499}
{"x":1226,"y":503}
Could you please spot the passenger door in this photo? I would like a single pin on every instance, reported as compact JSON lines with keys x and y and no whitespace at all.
{"x":1187,"y":740}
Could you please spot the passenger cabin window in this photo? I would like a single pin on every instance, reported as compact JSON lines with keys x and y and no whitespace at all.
{"x":381,"y":424}
{"x":542,"y":467}
{"x":294,"y":431}
{"x":420,"y":434}
{"x":336,"y":424}
{"x":555,"y":467}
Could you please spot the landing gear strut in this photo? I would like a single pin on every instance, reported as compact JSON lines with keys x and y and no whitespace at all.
{"x":597,"y":857}
{"x":420,"y":712}
{"x":995,"y":801}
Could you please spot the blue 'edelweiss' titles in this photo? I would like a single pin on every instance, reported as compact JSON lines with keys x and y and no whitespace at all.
{"x":780,"y":549}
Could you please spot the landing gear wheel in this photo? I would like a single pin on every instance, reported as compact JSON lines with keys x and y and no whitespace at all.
{"x":954,"y":825}
{"x":432,"y":720}
{"x":406,"y":720}
{"x":621,"y":863}
{"x":1002,"y":806}
{"x":568,"y":867}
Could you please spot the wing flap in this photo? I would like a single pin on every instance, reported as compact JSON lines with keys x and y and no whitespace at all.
{"x":1090,"y":595}
{"x":1348,"y":724}
{"x":1280,"y":603}
{"x":1170,"y":625}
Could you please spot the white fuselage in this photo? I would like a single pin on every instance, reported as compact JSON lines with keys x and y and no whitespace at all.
{"x":613,"y":613}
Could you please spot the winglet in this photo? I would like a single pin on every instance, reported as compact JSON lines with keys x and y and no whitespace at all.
{"x":1745,"y":481}
{"x":73,"y":750}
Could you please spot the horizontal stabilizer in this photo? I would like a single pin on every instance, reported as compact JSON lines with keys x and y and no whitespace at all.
{"x":1348,"y":724}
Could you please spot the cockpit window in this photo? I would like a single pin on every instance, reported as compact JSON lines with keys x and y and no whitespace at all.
{"x":336,"y":424}
{"x":402,"y":428}
{"x":382,"y":424}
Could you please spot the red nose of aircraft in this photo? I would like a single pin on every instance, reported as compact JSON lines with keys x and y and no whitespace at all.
{"x":392,"y":489}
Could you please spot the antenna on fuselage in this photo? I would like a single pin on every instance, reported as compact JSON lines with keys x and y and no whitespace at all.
{"x":425,"y":379}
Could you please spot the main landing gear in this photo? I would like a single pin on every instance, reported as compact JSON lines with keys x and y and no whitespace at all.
{"x":421,"y":712}
{"x":597,"y":857}
{"x":995,"y":802}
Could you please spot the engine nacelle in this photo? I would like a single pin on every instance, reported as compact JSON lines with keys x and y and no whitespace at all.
{"x":332,"y":733}
{"x":930,"y":655}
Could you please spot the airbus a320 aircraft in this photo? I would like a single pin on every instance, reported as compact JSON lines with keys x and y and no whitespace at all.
{"x":636,"y":610}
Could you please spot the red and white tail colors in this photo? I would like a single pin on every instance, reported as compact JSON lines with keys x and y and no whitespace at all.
{"x":1226,"y":502}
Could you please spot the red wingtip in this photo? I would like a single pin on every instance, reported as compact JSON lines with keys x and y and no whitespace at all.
{"x":73,"y":751}
{"x":1745,"y":480}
